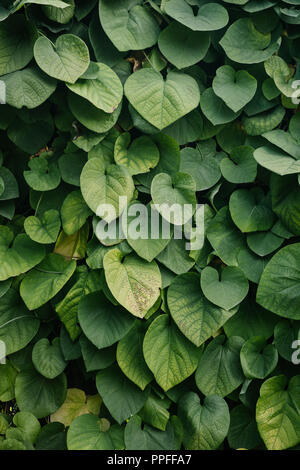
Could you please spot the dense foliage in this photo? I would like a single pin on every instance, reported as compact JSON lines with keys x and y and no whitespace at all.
{"x":140,"y":343}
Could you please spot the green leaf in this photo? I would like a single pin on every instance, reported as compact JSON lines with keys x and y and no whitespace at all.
{"x":226,"y":289}
{"x":235,"y":88}
{"x":29,"y":87}
{"x":48,"y":359}
{"x":249,"y":212}
{"x":67,"y":309}
{"x":10,"y":185}
{"x":128,"y":24}
{"x":171,"y":195}
{"x":90,"y":116}
{"x":240,"y":167}
{"x":130,"y":357}
{"x":209,"y":17}
{"x":46,"y":280}
{"x":278,"y":289}
{"x":44,"y":230}
{"x":103,"y":323}
{"x":88,"y":432}
{"x":181,"y":46}
{"x":121,"y":397}
{"x":104,"y":90}
{"x":7,"y":383}
{"x":67,"y":61}
{"x":94,"y":358}
{"x":143,"y":243}
{"x":74,"y":212}
{"x":258,"y":359}
{"x":168,"y":354}
{"x":19,"y":255}
{"x":38,"y":395}
{"x":148,"y":438}
{"x":194,"y":315}
{"x":205,"y":426}
{"x":17,"y":37}
{"x":133,"y":282}
{"x":219,"y":371}
{"x":224,"y":237}
{"x":204,"y":168}
{"x":43,"y":175}
{"x":102,"y":185}
{"x":214,"y":108}
{"x":256,"y":47}
{"x":17,"y":325}
{"x":285,"y":201}
{"x":56,"y":13}
{"x":243,"y":433}
{"x":27,"y":425}
{"x":167,"y":100}
{"x":139,"y":157}
{"x":277,"y":412}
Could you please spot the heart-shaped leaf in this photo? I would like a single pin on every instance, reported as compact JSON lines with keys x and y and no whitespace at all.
{"x":44,"y":230}
{"x":128,"y":24}
{"x":240,"y":167}
{"x":132,"y":281}
{"x":226,"y":291}
{"x":205,"y":426}
{"x":67,"y":61}
{"x":167,"y":100}
{"x":256,"y":47}
{"x":174,"y":197}
{"x":48,"y":358}
{"x":139,"y":157}
{"x":258,"y":359}
{"x":168,"y":354}
{"x":249,"y":212}
{"x":19,"y":258}
{"x":46,"y":280}
{"x":235,"y":88}
{"x":102,"y":185}
{"x":103,"y":323}
{"x":181,"y":46}
{"x":194,"y":315}
{"x":209,"y":17}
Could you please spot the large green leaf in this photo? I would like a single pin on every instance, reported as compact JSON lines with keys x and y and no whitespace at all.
{"x":209,"y":17}
{"x":17,"y":255}
{"x":194,"y":315}
{"x":44,"y":230}
{"x":17,"y":37}
{"x":67,"y":309}
{"x":139,"y":157}
{"x":256,"y":46}
{"x":101,"y":185}
{"x":181,"y":46}
{"x":167,"y":100}
{"x":46,"y":280}
{"x":168,"y":354}
{"x":235,"y":88}
{"x":226,"y":289}
{"x":130,"y":357}
{"x":17,"y":325}
{"x":277,"y":412}
{"x":29,"y":87}
{"x":206,"y":425}
{"x":89,"y":432}
{"x":48,"y":358}
{"x":128,"y":24}
{"x":38,"y":395}
{"x":257,"y":358}
{"x":219,"y":371}
{"x":135,"y":283}
{"x":122,"y":398}
{"x":278,"y":289}
{"x":103,"y":323}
